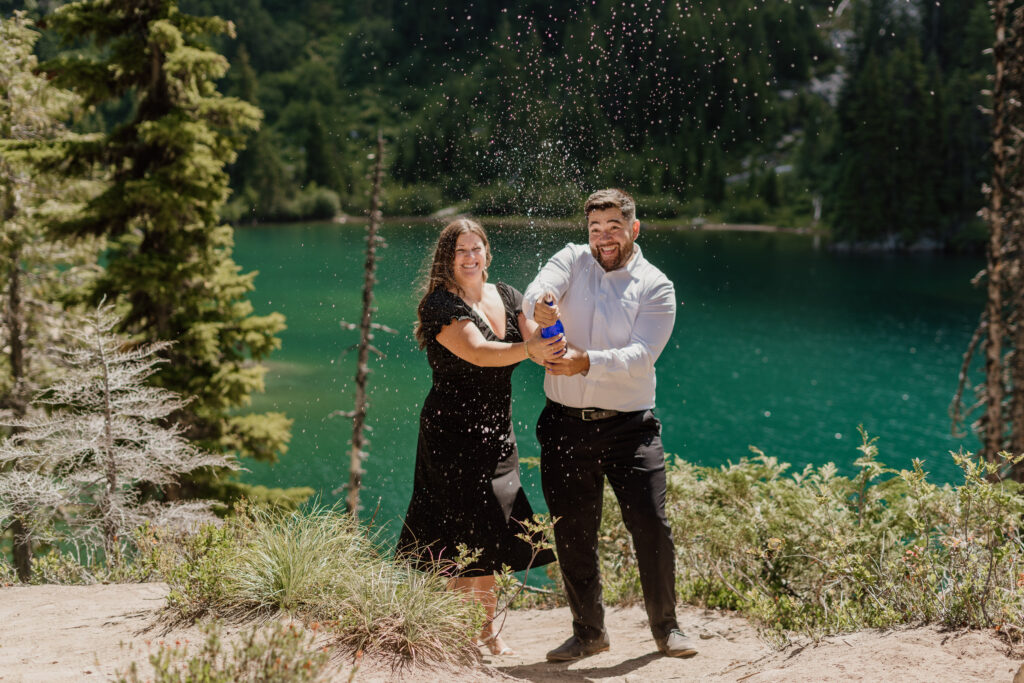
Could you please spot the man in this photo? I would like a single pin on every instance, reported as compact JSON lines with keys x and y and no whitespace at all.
{"x":618,"y":311}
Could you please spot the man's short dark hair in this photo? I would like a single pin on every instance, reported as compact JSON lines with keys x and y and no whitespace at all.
{"x":612,"y":198}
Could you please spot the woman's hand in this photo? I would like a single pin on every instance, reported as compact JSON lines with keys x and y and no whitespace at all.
{"x":544,"y":350}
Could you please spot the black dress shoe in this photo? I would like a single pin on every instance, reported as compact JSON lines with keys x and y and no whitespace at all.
{"x":574,"y":648}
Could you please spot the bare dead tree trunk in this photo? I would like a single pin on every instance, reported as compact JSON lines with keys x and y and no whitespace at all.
{"x":993,"y":425}
{"x":1014,"y":76}
{"x":109,"y":466}
{"x":358,"y":454}
{"x":16,"y":401}
{"x":1001,"y":329}
{"x":22,"y":542}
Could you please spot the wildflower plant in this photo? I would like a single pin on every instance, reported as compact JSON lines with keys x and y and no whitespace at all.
{"x":274,"y":653}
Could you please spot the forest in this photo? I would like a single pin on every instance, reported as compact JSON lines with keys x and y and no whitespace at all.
{"x":865,"y":118}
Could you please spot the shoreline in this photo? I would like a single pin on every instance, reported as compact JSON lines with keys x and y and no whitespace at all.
{"x":819,"y":236}
{"x":680,"y":224}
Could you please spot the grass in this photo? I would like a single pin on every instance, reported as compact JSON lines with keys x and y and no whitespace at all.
{"x":409,"y":613}
{"x":320,"y":566}
{"x":295,"y":562}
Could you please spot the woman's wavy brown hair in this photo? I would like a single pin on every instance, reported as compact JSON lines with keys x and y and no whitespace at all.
{"x":442,"y":267}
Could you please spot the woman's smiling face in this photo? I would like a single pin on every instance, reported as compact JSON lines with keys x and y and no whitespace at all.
{"x":470,"y":259}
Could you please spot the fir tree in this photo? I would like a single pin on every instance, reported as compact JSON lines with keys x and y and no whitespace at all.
{"x":38,"y":272}
{"x":169,"y":258}
{"x":102,"y":438}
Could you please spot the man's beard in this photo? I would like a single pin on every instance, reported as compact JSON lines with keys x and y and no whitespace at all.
{"x":621,"y":258}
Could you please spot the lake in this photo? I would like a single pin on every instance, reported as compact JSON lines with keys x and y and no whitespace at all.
{"x":776,"y":345}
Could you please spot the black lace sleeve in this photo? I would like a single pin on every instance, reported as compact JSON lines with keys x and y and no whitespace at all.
{"x":439,"y":309}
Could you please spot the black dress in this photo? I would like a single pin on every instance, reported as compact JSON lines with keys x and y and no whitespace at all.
{"x":466,"y":487}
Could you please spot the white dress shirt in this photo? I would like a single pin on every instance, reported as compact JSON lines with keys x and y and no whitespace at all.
{"x":622,"y":318}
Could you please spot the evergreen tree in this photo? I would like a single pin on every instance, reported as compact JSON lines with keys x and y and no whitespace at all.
{"x":101,"y":440}
{"x":169,"y":258}
{"x":864,"y":190}
{"x":916,"y":153}
{"x":713,"y":182}
{"x":38,"y":273}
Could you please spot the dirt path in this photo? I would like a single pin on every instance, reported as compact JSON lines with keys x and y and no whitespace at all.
{"x":90,"y":633}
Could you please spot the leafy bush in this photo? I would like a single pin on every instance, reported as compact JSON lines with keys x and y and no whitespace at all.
{"x":658,"y":206}
{"x":496,"y":200}
{"x":411,"y":200}
{"x":309,"y":203}
{"x":746,"y":210}
{"x":819,"y":553}
{"x":274,"y":654}
{"x":318,"y":203}
{"x":8,"y":576}
{"x":504,"y":200}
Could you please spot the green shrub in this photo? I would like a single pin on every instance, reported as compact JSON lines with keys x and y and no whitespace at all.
{"x":318,"y":203}
{"x":818,"y":553}
{"x":275,"y":653}
{"x":198,"y":573}
{"x":659,"y":206}
{"x":8,"y":575}
{"x":411,"y":200}
{"x":557,"y":202}
{"x":546,"y":202}
{"x":496,"y":200}
{"x":746,"y":210}
{"x":77,"y":564}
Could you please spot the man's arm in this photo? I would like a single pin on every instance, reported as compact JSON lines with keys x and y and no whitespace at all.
{"x":573,"y":362}
{"x":651,"y":332}
{"x":553,"y":279}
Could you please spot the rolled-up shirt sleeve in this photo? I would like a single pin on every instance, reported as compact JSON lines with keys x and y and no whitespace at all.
{"x":650,"y":334}
{"x":553,"y":277}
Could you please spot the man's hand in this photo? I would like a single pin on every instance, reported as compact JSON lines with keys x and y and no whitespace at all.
{"x":573,"y":362}
{"x":543,"y":314}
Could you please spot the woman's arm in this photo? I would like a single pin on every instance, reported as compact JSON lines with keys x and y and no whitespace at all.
{"x":527,"y":327}
{"x":464,"y":339}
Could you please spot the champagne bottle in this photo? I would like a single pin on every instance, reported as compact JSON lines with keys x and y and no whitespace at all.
{"x":552,"y":330}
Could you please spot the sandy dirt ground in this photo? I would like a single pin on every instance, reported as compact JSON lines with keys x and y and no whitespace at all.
{"x":91,"y":633}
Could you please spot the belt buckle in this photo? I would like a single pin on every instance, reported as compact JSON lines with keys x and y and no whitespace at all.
{"x":584,"y":414}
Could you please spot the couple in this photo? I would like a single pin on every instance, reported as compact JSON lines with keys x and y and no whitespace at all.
{"x":618,"y":311}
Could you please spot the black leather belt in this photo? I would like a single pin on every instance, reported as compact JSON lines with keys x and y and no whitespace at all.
{"x":585,"y":414}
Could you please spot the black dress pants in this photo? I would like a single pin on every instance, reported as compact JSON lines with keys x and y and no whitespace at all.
{"x":576,"y":456}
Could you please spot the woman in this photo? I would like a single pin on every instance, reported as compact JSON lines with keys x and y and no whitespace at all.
{"x":466,"y":488}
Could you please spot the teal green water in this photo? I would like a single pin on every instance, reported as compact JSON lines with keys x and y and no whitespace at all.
{"x":776,"y":345}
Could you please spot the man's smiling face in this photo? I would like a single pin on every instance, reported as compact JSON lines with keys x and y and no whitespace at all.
{"x":611,"y":237}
